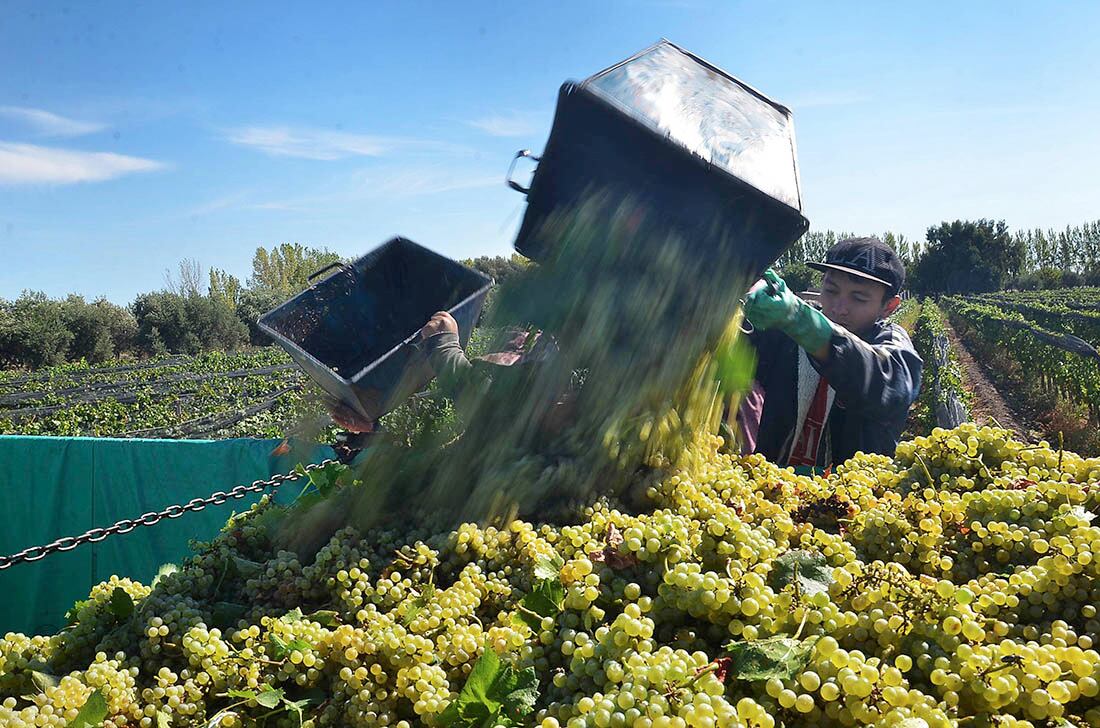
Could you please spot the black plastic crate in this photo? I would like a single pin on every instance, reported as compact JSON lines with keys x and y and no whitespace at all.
{"x":688,"y":140}
{"x":355,"y":333}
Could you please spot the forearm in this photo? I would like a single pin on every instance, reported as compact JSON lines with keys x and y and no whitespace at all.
{"x":452,"y":369}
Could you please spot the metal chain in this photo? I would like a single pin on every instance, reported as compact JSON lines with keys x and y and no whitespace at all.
{"x":95,"y":535}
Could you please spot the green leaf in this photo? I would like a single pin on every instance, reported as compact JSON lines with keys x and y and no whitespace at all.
{"x":278,"y":646}
{"x":417,"y":605}
{"x":473,"y":706}
{"x":545,"y":600}
{"x":781,"y":657}
{"x":163,"y":720}
{"x":244,"y":567}
{"x":297,"y":706}
{"x":74,"y":610}
{"x":227,"y":613}
{"x":325,"y":617}
{"x":548,"y":568}
{"x":494,"y":693}
{"x":292,"y":617}
{"x":809,"y":569}
{"x":269,"y":697}
{"x":42,"y":680}
{"x":243,"y":694}
{"x":523,"y":695}
{"x":121,"y":604}
{"x":92,"y":713}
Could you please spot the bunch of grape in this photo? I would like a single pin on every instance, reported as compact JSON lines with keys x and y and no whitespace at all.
{"x":961,"y":590}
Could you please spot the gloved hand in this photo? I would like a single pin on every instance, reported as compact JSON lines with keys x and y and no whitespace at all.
{"x":770,"y":305}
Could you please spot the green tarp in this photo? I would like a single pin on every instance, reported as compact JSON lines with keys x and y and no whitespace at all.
{"x":58,"y":486}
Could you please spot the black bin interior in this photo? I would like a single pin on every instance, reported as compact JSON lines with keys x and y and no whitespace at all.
{"x":350,"y":332}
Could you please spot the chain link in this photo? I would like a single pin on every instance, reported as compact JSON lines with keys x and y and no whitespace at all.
{"x":95,"y":535}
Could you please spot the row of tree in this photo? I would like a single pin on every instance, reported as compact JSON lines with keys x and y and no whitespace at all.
{"x":197,"y":310}
{"x":969,"y":256}
{"x":200,"y":310}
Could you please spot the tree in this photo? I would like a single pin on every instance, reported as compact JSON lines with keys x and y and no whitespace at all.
{"x":800,"y":277}
{"x":101,"y":330}
{"x":498,"y":267}
{"x":185,"y":324}
{"x":968,"y":256}
{"x":33,"y":332}
{"x":224,"y":288}
{"x":285,"y":269}
{"x":188,"y":281}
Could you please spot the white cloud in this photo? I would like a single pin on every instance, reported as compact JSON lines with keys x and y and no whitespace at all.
{"x":507,"y":125}
{"x":32,"y":164}
{"x":46,"y":123}
{"x":328,"y":144}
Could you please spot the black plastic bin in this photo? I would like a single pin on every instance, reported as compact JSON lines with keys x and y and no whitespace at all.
{"x":685,"y":138}
{"x":356,"y":332}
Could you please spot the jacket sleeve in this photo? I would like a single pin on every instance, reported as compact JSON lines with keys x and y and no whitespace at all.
{"x":452,"y":369}
{"x":878,"y":378}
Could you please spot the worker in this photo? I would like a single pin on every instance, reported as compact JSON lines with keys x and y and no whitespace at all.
{"x":457,"y":375}
{"x":837,"y":380}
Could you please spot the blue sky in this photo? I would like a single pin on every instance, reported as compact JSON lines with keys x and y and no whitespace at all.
{"x":135,"y":135}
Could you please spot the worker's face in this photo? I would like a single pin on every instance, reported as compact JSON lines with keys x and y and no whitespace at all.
{"x":853,"y":302}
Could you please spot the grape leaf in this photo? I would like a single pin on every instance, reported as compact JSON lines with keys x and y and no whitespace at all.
{"x":523,"y":693}
{"x":417,"y":605}
{"x":121,"y":604}
{"x":43,"y":680}
{"x":280,"y":648}
{"x":244,"y":694}
{"x":293,"y":616}
{"x":544,"y":600}
{"x":227,"y":613}
{"x":92,"y":713}
{"x":494,"y":694}
{"x":297,"y":706}
{"x":548,"y":568}
{"x":74,"y":610}
{"x":325,"y":617}
{"x":809,"y":569}
{"x":269,"y":697}
{"x":781,"y":657}
{"x":163,"y":720}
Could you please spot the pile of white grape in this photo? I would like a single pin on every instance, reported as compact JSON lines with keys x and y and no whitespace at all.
{"x":955,"y":584}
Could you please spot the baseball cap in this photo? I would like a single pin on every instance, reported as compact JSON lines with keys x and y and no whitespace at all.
{"x":866,"y":258}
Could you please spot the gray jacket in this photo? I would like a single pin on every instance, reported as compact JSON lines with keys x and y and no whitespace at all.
{"x":876,"y":377}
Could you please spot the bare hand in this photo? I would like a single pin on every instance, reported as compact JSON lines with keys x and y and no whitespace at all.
{"x":439,"y":322}
{"x":346,"y":417}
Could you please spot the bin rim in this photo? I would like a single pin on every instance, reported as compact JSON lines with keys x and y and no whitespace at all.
{"x":586,"y":86}
{"x":488,"y":283}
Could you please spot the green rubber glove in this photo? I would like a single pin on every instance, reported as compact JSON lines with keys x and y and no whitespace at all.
{"x":771,"y":305}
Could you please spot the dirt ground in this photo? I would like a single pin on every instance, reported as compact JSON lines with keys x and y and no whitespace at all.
{"x":987,"y":404}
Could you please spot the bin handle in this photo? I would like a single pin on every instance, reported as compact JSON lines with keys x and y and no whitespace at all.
{"x":330,"y":266}
{"x":511,"y":167}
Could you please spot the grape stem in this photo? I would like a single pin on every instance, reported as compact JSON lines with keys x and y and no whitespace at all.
{"x":927,"y":473}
